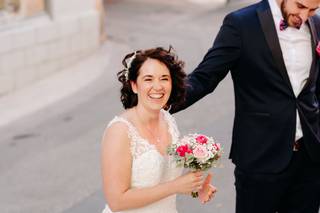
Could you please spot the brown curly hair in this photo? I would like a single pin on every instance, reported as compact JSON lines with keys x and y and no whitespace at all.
{"x":176,"y":67}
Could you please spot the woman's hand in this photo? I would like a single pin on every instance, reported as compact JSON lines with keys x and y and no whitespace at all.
{"x":188,"y":183}
{"x":207,"y":190}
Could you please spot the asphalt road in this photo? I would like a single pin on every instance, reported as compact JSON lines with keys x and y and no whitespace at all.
{"x":49,"y":161}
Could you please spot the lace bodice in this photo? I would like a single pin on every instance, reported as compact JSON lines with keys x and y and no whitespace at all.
{"x":149,"y":167}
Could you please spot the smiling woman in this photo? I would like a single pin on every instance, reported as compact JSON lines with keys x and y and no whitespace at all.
{"x":138,"y":176}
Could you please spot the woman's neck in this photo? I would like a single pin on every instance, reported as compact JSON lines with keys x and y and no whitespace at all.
{"x":147,"y":117}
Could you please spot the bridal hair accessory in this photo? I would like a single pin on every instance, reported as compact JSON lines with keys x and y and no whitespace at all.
{"x":126,"y":72}
{"x":318,"y":48}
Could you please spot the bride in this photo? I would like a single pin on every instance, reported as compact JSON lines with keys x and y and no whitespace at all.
{"x":137,"y":174}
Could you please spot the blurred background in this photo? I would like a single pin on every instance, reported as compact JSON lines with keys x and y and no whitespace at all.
{"x":58,"y":91}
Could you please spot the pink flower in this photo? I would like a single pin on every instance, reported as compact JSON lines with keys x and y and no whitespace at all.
{"x":318,"y":48}
{"x":183,"y":149}
{"x":201,"y":139}
{"x":201,"y":153}
{"x":217,"y":146}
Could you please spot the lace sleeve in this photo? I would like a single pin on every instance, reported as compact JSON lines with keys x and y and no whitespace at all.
{"x":138,"y":145}
{"x":131,"y":134}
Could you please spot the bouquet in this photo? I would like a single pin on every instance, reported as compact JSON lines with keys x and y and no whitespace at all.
{"x":196,"y":152}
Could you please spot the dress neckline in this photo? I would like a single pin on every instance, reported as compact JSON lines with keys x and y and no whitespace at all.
{"x":146,"y":141}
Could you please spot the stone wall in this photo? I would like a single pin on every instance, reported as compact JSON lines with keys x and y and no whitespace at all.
{"x":216,"y":2}
{"x":41,"y":39}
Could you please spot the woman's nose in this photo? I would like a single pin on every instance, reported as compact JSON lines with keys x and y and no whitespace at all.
{"x":157,"y":85}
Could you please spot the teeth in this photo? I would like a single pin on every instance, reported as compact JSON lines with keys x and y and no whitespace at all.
{"x":156,"y":96}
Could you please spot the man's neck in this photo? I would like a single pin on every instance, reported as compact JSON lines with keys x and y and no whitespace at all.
{"x":279,"y":2}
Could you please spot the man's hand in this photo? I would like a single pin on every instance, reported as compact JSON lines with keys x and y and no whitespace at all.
{"x":207,"y":191}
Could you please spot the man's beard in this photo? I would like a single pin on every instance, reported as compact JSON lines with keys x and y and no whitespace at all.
{"x":298,"y":21}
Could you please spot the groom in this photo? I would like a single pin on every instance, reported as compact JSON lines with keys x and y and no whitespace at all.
{"x":270,"y":48}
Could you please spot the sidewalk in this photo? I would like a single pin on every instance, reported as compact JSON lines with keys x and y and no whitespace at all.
{"x":54,"y":88}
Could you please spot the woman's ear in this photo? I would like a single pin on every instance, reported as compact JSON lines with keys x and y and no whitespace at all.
{"x":134,"y":87}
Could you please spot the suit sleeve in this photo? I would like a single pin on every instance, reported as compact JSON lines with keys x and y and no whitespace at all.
{"x":317,"y":22}
{"x":318,"y":85}
{"x":217,"y":62}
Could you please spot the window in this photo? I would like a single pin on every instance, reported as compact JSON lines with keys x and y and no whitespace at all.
{"x":32,"y":7}
{"x":15,"y":10}
{"x":1,"y":4}
{"x":9,"y":10}
{"x":12,"y":6}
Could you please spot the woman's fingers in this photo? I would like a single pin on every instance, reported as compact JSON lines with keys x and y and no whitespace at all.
{"x":197,"y":186}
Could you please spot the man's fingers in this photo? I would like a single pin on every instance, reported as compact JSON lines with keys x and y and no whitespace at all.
{"x":208,"y":179}
{"x":213,"y":188}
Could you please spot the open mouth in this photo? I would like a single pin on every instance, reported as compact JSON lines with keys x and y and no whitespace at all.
{"x":156,"y":95}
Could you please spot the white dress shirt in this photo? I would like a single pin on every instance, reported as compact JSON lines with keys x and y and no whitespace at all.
{"x":297,"y":54}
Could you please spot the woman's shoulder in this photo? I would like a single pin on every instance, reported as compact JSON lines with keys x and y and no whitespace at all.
{"x":120,"y":121}
{"x":117,"y":132}
{"x":120,"y":124}
{"x":116,"y":136}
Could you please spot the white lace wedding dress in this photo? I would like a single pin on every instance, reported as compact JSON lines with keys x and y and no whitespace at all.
{"x":149,"y":167}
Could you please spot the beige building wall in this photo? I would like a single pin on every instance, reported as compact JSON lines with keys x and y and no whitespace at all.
{"x":1,"y":4}
{"x":215,"y":2}
{"x":31,"y":7}
{"x":43,"y":37}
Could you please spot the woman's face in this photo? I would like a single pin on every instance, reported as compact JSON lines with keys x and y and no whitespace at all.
{"x":153,"y":85}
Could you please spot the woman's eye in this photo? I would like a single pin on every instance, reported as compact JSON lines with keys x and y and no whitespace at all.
{"x":147,"y":79}
{"x":165,"y":79}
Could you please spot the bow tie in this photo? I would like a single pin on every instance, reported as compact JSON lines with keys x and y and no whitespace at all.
{"x":283,"y":25}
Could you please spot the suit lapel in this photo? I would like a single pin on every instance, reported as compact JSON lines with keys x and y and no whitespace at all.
{"x":313,"y":46}
{"x":315,"y":30}
{"x":312,"y":26}
{"x":270,"y":33}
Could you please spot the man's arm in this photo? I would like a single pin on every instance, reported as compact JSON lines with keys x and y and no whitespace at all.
{"x":318,"y":87}
{"x":217,"y":62}
{"x":317,"y":23}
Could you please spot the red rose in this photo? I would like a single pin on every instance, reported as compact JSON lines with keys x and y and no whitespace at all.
{"x":318,"y":48}
{"x":202,"y":139}
{"x":183,"y":149}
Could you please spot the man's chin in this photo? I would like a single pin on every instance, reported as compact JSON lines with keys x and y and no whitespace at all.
{"x":297,"y":25}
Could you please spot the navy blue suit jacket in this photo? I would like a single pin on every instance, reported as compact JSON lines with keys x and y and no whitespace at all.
{"x":265,"y":105}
